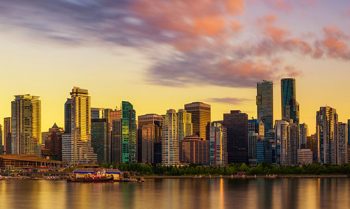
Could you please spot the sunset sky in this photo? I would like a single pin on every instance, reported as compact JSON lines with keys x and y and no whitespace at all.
{"x":161,"y":54}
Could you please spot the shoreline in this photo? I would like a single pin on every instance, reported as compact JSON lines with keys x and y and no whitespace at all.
{"x":249,"y":176}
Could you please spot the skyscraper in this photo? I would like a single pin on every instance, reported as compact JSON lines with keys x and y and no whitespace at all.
{"x":255,"y":132}
{"x":184,"y":124}
{"x":170,"y":139}
{"x":303,"y":134}
{"x":290,"y":106}
{"x":149,"y":138}
{"x":236,"y":124}
{"x":128,"y":137}
{"x":342,"y":144}
{"x":282,"y":142}
{"x":68,"y":116}
{"x":264,"y":102}
{"x":53,"y":143}
{"x":26,"y":125}
{"x":326,"y":135}
{"x":7,"y":135}
{"x":76,"y":144}
{"x":201,"y":116}
{"x":218,"y":144}
{"x":116,"y":136}
{"x":1,"y":144}
{"x":99,"y":139}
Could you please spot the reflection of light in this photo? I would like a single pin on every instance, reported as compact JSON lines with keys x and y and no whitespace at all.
{"x":222,"y":195}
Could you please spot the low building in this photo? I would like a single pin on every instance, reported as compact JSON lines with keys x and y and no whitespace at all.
{"x":27,"y":161}
{"x":194,"y":150}
{"x":305,"y":156}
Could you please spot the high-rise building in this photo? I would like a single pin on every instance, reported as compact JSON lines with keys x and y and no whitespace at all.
{"x":116,"y":136}
{"x":194,"y":150}
{"x":184,"y":124}
{"x":305,"y":157}
{"x":293,"y":144}
{"x":129,"y":131}
{"x":303,"y":134}
{"x":68,"y":116}
{"x":264,"y":102}
{"x":313,"y":146}
{"x":76,"y":144}
{"x":149,"y":138}
{"x":99,"y":139}
{"x":53,"y":142}
{"x":326,"y":133}
{"x":26,"y":125}
{"x":218,"y":144}
{"x":255,"y":132}
{"x":342,"y":144}
{"x":7,"y":135}
{"x":236,"y":124}
{"x":201,"y":117}
{"x":170,"y":139}
{"x":282,"y":142}
{"x":290,"y":106}
{"x":1,"y":143}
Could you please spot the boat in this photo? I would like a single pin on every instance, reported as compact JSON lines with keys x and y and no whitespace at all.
{"x":91,"y":179}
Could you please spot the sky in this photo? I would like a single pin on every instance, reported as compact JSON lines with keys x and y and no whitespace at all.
{"x":161,"y":54}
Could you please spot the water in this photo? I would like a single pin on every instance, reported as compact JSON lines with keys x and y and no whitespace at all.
{"x":306,"y":193}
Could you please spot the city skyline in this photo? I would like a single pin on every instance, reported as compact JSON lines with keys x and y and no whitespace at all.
{"x":117,"y":64}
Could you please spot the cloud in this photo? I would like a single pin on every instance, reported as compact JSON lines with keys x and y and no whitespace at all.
{"x":228,"y":100}
{"x":190,"y":43}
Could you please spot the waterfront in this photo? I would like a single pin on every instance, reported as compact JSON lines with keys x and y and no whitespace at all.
{"x":287,"y":193}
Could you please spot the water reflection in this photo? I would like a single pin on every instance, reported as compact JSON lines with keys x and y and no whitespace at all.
{"x":179,"y":193}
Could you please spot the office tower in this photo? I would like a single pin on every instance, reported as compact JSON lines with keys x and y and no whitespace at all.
{"x":342,"y":144}
{"x":1,"y":143}
{"x":149,"y":138}
{"x":116,"y":136}
{"x":184,"y":124}
{"x":170,"y":140}
{"x":76,"y":144}
{"x":303,"y":134}
{"x":264,"y":102}
{"x":282,"y":142}
{"x":313,"y":146}
{"x":293,"y":144}
{"x":201,"y":116}
{"x":128,"y":136}
{"x":53,"y":142}
{"x":194,"y":150}
{"x":68,"y":116}
{"x":26,"y":125}
{"x":264,"y":151}
{"x":99,"y":139}
{"x":305,"y":157}
{"x":348,"y":141}
{"x":7,"y":135}
{"x":218,"y":144}
{"x":98,"y":113}
{"x":236,"y":124}
{"x":255,"y":132}
{"x":326,"y":133}
{"x":290,"y":106}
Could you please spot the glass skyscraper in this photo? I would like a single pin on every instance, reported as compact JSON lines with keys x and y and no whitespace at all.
{"x":128,"y":136}
{"x":264,"y":102}
{"x":201,"y":117}
{"x":290,"y":106}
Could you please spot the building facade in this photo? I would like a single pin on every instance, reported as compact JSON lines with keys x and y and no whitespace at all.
{"x":264,"y":102}
{"x":99,"y":139}
{"x":194,"y":150}
{"x":170,"y":139}
{"x":184,"y":124}
{"x":128,"y":134}
{"x":218,"y":144}
{"x":236,"y":124}
{"x":26,"y":125}
{"x":201,"y":117}
{"x":53,"y":142}
{"x":290,"y":106}
{"x":7,"y":136}
{"x":342,"y":144}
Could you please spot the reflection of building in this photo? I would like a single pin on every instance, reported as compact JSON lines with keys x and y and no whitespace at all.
{"x":326,"y":133}
{"x":290,"y":106}
{"x":236,"y":124}
{"x":7,"y":136}
{"x":76,"y":144}
{"x":170,"y":140}
{"x":26,"y":125}
{"x":201,"y":116}
{"x":53,"y":142}
{"x":342,"y":144}
{"x":149,"y":137}
{"x":218,"y":144}
{"x":194,"y":150}
{"x":305,"y":156}
{"x":264,"y":102}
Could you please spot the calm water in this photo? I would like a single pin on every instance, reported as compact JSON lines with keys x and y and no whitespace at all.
{"x":176,"y":193}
